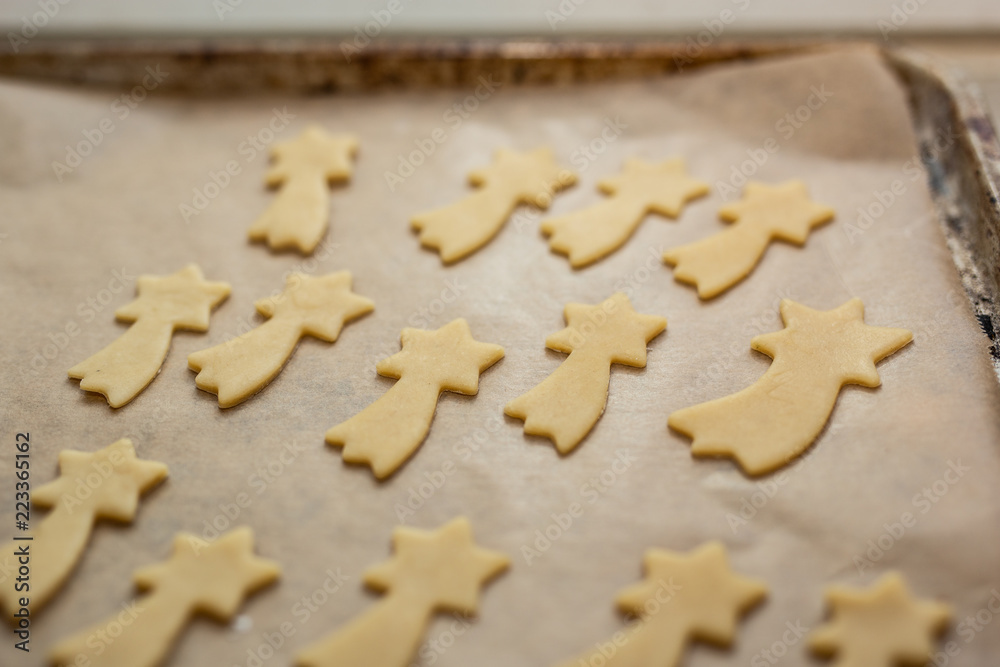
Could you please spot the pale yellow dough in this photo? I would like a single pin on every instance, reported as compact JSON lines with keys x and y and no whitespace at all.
{"x":124,"y":368}
{"x":105,"y":484}
{"x":432,"y":571}
{"x":308,"y":306}
{"x":684,"y":597}
{"x":567,"y":404}
{"x":303,"y":169}
{"x":882,"y":626}
{"x":768,"y":424}
{"x":200,"y":577}
{"x":643,"y":187}
{"x":767,"y":212}
{"x":460,"y":229}
{"x":388,"y":431}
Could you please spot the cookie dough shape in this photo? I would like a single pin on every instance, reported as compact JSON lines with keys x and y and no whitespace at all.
{"x":105,"y":484}
{"x":774,"y":420}
{"x":124,"y":368}
{"x":642,"y":188}
{"x":388,"y":431}
{"x":683,"y":597}
{"x":308,"y":306}
{"x":767,"y":212}
{"x":200,"y":577}
{"x":432,"y":571}
{"x":462,"y":228}
{"x":567,"y":404}
{"x":882,"y":626}
{"x":303,"y":169}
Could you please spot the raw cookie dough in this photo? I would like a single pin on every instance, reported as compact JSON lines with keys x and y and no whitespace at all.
{"x":567,"y":404}
{"x":388,"y":431}
{"x":643,"y":187}
{"x":308,"y":306}
{"x":770,"y":423}
{"x":683,"y":597}
{"x":77,"y":502}
{"x":766,"y":212}
{"x":200,"y":577}
{"x":182,"y":300}
{"x":882,"y":626}
{"x":303,"y":169}
{"x":432,"y":571}
{"x":462,"y":228}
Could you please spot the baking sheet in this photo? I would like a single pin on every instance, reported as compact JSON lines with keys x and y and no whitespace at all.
{"x":119,"y":211}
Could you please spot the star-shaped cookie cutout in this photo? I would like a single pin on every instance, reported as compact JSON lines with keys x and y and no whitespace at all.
{"x":122,"y":476}
{"x":184,"y":299}
{"x":444,"y":567}
{"x":612,"y":326}
{"x":448,"y":356}
{"x":708,"y":598}
{"x":882,"y":626}
{"x":320,"y":305}
{"x":212,"y":577}
{"x":664,"y":187}
{"x":785,"y":209}
{"x":314,"y":151}
{"x":848,"y":347}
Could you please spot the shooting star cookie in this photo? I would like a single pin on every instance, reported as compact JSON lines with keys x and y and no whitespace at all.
{"x":303,"y":170}
{"x":431,"y":572}
{"x":643,"y":187}
{"x":165,"y":304}
{"x":567,"y":404}
{"x":388,"y":431}
{"x":308,"y":306}
{"x":462,"y":228}
{"x":105,"y":484}
{"x":767,"y":212}
{"x":768,"y":424}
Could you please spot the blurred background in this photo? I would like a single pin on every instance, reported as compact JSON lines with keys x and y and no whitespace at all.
{"x":963,"y":32}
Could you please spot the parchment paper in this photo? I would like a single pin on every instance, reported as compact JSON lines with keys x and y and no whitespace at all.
{"x":119,"y":211}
